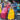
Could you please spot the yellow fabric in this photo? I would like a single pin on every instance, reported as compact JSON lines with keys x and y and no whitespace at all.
{"x":0,"y":10}
{"x":11,"y":14}
{"x":0,"y":7}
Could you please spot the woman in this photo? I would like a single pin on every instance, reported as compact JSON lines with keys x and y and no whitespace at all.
{"x":11,"y":14}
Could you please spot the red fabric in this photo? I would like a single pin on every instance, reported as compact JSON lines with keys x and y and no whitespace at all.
{"x":4,"y":13}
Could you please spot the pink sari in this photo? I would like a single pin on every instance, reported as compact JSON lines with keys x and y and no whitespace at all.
{"x":4,"y":11}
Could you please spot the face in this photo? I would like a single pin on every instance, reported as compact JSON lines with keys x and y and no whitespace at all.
{"x":13,"y":0}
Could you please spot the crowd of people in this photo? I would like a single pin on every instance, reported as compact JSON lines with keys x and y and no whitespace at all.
{"x":9,"y":10}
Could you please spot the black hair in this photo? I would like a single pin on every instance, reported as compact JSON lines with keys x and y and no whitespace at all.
{"x":11,"y":1}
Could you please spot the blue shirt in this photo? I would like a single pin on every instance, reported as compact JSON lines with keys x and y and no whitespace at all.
{"x":2,"y":5}
{"x":14,"y":4}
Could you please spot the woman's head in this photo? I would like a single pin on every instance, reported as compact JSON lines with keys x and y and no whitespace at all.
{"x":13,"y":0}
